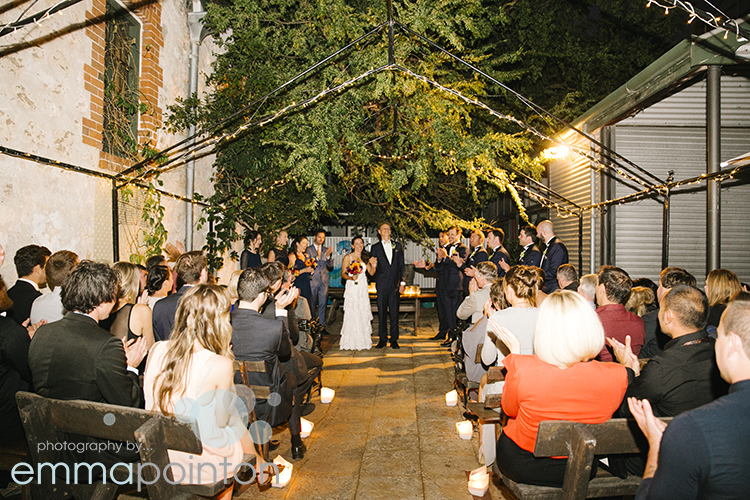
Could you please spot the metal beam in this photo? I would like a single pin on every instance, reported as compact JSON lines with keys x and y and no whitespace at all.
{"x":713,"y":157}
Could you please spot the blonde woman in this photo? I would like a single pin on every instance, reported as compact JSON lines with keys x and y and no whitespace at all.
{"x":721,"y":285}
{"x":129,"y":319}
{"x":639,"y":299}
{"x":191,"y":376}
{"x":558,"y":382}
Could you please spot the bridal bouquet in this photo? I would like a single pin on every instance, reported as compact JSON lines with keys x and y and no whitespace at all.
{"x":311,"y":262}
{"x":355,"y":268}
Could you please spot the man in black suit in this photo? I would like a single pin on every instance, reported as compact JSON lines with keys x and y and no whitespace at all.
{"x":478,"y":254}
{"x":555,"y":255}
{"x":30,"y":261}
{"x":76,"y":359}
{"x":498,"y":255}
{"x":255,"y":338}
{"x":387,"y":264}
{"x":451,"y":261}
{"x":191,"y":269}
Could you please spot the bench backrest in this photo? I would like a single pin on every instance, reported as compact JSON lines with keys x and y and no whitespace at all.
{"x":243,"y":367}
{"x":615,"y":436}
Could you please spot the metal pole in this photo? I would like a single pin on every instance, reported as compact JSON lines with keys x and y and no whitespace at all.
{"x":713,"y":153}
{"x":580,"y":242}
{"x":115,"y":224}
{"x":391,"y":55}
{"x":665,"y":225}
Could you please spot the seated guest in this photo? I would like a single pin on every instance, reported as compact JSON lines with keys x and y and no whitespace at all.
{"x":250,"y":256}
{"x":682,"y":377}
{"x":639,"y":300}
{"x":647,"y":283}
{"x":721,"y":286}
{"x":611,"y":293}
{"x":567,"y":278}
{"x":74,"y":358}
{"x":49,"y":307}
{"x":158,"y":284}
{"x":255,"y":338}
{"x":302,"y":362}
{"x":155,"y":261}
{"x":14,"y":371}
{"x":129,"y":320}
{"x":191,"y":270}
{"x":479,"y":292}
{"x":232,"y":286}
{"x":655,"y":339}
{"x":30,"y":261}
{"x":195,"y":364}
{"x":540,"y":295}
{"x":548,"y":385}
{"x":587,"y":288}
{"x":705,"y":452}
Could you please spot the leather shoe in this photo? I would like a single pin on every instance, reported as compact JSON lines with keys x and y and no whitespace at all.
{"x":394,"y":345}
{"x":447,"y":343}
{"x":298,"y":452}
{"x":381,"y":344}
{"x":438,"y":337}
{"x":273,"y":444}
{"x":308,"y":409}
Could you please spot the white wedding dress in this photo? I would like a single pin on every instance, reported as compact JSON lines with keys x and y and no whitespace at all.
{"x":356,"y":331}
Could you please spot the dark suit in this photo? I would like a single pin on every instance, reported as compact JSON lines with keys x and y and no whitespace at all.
{"x":164,"y":314}
{"x":554,"y":256}
{"x":497,"y":256}
{"x":255,"y":338}
{"x":319,"y":283}
{"x":388,"y":278}
{"x":530,"y":256}
{"x":453,"y":291}
{"x":14,"y":376}
{"x":76,"y":359}
{"x":479,"y":254}
{"x":22,"y":294}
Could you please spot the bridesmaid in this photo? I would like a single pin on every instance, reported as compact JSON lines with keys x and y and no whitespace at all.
{"x":279,"y":253}
{"x":301,"y":270}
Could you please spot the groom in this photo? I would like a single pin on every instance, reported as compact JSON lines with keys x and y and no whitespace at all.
{"x":387,"y":260}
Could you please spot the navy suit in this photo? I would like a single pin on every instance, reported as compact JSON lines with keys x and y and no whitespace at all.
{"x":554,"y":256}
{"x":500,"y":255}
{"x":388,"y":278}
{"x":319,"y":282}
{"x":453,"y":289}
{"x":475,"y":257}
{"x":530,"y":256}
{"x":164,"y":313}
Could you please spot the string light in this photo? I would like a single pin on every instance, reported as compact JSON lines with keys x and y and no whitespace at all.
{"x":727,"y":24}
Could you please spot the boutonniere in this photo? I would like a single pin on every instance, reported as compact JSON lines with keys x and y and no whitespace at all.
{"x":452,"y":251}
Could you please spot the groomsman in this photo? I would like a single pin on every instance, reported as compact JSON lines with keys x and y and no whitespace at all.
{"x":530,"y":254}
{"x":478,"y":254}
{"x":439,"y":284}
{"x":555,"y":255}
{"x":387,"y":262}
{"x":450,"y":261}
{"x":498,"y":255}
{"x":320,"y":280}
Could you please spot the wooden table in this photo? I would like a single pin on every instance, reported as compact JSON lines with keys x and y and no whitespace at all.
{"x":407,"y":304}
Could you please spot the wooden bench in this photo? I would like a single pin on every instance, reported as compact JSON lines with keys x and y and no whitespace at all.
{"x":11,"y":454}
{"x":580,"y":442}
{"x":486,"y":412}
{"x":261,"y":392}
{"x":43,"y":418}
{"x":462,"y":383}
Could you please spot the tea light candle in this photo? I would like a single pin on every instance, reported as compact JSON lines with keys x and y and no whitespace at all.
{"x":451,"y":398}
{"x":479,"y":482}
{"x":307,"y":427}
{"x":285,"y":472}
{"x":326,"y":395}
{"x":464,"y":429}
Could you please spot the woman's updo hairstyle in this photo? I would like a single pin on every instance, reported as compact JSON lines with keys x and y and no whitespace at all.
{"x":523,"y":281}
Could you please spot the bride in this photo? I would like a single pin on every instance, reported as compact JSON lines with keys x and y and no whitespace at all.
{"x":356,"y":331}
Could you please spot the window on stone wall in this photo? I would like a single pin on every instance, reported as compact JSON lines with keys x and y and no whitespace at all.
{"x":121,"y":68}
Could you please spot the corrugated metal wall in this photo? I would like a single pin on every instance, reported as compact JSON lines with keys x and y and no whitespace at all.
{"x":571,"y":178}
{"x":670,"y":135}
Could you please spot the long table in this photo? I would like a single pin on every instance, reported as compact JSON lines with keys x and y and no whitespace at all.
{"x":409,"y":305}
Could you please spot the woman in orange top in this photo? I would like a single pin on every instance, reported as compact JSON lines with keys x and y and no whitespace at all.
{"x":558,"y":382}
